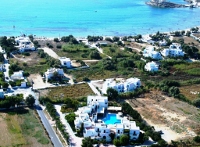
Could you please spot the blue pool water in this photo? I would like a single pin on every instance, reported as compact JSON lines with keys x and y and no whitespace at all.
{"x":54,"y":18}
{"x":111,"y":119}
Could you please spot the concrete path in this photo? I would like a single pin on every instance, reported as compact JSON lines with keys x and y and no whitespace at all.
{"x":93,"y":88}
{"x":100,"y":50}
{"x":74,"y":140}
{"x":50,"y":52}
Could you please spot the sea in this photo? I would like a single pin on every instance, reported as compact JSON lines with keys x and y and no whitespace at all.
{"x":80,"y":18}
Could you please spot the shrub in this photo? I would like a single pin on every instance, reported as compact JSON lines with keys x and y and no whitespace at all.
{"x":56,"y":39}
{"x":86,"y":79}
{"x":197,"y":102}
{"x":26,"y":54}
{"x":58,"y":46}
{"x":197,"y":139}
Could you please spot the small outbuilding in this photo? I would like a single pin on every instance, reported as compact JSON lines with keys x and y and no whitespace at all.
{"x":151,"y":66}
{"x":66,"y":62}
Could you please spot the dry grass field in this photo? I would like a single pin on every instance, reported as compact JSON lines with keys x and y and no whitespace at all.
{"x":22,"y":128}
{"x":175,"y":118}
{"x":191,"y":91}
{"x":74,"y":91}
{"x":189,"y":40}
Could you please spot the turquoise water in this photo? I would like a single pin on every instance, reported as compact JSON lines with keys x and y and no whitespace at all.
{"x":91,"y":17}
{"x":111,"y":119}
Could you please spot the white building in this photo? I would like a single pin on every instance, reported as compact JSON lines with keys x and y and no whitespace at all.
{"x":147,"y":39}
{"x":17,"y":75}
{"x":24,"y":44}
{"x":123,"y":86}
{"x":23,"y":84}
{"x":96,"y":128}
{"x":52,"y":71}
{"x":162,"y":43}
{"x":174,"y":50}
{"x":151,"y":66}
{"x":66,"y":62}
{"x":151,"y":53}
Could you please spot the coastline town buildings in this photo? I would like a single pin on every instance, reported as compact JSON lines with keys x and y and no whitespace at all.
{"x":24,"y":44}
{"x":174,"y":50}
{"x":52,"y":71}
{"x":91,"y":116}
{"x":151,"y":53}
{"x":123,"y":86}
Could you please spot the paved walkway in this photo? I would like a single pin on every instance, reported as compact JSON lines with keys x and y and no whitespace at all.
{"x":93,"y":88}
{"x":74,"y":140}
{"x":100,"y":50}
{"x":50,"y":52}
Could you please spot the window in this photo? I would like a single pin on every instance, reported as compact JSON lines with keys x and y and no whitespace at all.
{"x":134,"y":133}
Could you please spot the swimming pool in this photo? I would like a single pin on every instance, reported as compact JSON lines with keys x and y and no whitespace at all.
{"x":111,"y":118}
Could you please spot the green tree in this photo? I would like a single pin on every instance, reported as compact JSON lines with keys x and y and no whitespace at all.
{"x":70,"y":119}
{"x":196,"y":102}
{"x":81,"y":129}
{"x":197,"y":139}
{"x":30,"y":100}
{"x":115,"y":39}
{"x":124,"y":140}
{"x":95,"y":55}
{"x":56,"y":40}
{"x":188,"y":33}
{"x":177,"y":33}
{"x":87,"y":142}
{"x":112,"y":136}
{"x":116,"y":142}
{"x":5,"y":85}
{"x":112,"y":94}
{"x":182,"y":32}
{"x":1,"y":57}
{"x":174,"y":91}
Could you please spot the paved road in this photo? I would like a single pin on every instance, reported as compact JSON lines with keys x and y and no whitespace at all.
{"x":54,"y":138}
{"x":26,"y":91}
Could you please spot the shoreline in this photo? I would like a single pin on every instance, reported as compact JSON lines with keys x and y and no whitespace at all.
{"x":43,"y":37}
{"x":85,"y":37}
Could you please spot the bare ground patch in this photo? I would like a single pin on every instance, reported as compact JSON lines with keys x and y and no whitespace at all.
{"x":176,"y":119}
{"x":37,"y":81}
